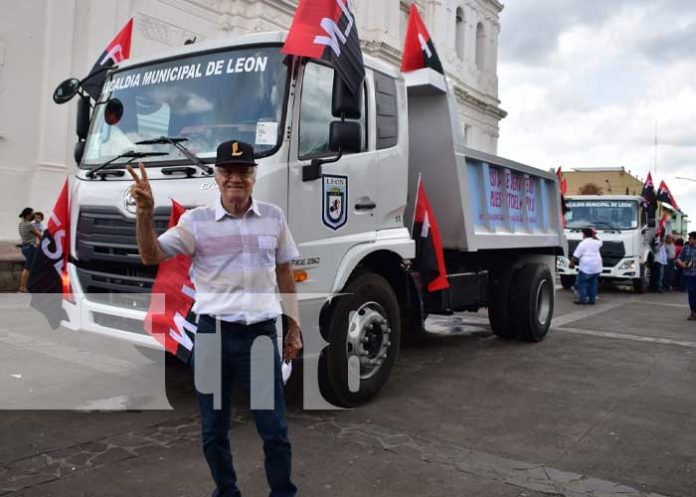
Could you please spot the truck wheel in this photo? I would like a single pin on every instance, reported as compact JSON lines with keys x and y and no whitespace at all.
{"x":641,"y":284}
{"x":532,"y":301}
{"x":567,"y":281}
{"x":499,"y":301}
{"x":364,"y":331}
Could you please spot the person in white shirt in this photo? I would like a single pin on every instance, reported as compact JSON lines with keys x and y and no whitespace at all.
{"x":241,"y":249}
{"x":588,"y":258}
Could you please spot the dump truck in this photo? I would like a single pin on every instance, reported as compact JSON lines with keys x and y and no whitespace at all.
{"x":344,"y":169}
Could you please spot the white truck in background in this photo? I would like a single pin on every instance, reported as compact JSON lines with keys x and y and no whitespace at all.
{"x":344,"y":172}
{"x":622,"y":224}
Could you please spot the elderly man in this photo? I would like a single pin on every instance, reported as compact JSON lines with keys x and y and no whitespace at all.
{"x":239,"y":246}
{"x":687,"y":261}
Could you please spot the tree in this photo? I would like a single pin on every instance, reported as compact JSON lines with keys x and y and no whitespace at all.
{"x":590,"y":189}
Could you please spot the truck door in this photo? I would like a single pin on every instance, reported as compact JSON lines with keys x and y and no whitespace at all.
{"x":330,"y":214}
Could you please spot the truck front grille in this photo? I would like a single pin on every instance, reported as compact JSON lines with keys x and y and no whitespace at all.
{"x":108,"y":263}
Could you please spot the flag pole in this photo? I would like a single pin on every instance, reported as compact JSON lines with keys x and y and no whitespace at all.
{"x":415,"y":202}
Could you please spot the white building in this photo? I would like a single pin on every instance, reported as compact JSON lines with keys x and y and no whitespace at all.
{"x":43,"y":42}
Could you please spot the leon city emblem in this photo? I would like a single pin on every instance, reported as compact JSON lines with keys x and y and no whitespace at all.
{"x":334,"y":195}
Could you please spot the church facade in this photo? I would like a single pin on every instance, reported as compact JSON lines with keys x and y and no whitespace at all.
{"x":42,"y":42}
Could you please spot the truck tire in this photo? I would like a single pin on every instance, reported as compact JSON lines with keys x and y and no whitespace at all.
{"x":364,"y":324}
{"x":567,"y":281}
{"x":641,"y":284}
{"x":499,"y":301}
{"x":532,"y":302}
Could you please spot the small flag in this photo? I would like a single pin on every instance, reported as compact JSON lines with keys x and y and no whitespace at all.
{"x":115,"y":52}
{"x":175,"y":328}
{"x":430,"y":258}
{"x":326,"y":29}
{"x":419,"y":49}
{"x":648,"y":197}
{"x":665,"y":195}
{"x":48,"y":279}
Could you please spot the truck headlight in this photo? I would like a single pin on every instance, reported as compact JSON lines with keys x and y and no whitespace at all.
{"x":562,"y":262}
{"x":628,"y":265}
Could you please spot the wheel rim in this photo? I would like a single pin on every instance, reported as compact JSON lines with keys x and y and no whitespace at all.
{"x":543,"y":302}
{"x":368,"y":338}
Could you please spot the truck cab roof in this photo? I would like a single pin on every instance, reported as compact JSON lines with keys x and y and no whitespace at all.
{"x":603,"y":197}
{"x":234,"y":41}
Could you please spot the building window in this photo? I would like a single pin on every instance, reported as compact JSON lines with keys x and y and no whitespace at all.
{"x":480,"y":46}
{"x":460,"y":26}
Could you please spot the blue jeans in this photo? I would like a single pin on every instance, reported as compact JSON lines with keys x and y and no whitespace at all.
{"x":28,"y":251}
{"x":691,"y":286}
{"x":587,"y":285}
{"x":656,"y":271}
{"x":668,"y":275}
{"x":236,"y":342}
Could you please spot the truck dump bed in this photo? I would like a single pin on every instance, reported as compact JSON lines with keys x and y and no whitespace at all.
{"x":481,"y":202}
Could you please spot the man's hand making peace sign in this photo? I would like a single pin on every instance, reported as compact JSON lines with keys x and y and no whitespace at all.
{"x":141,"y":191}
{"x":150,"y":251}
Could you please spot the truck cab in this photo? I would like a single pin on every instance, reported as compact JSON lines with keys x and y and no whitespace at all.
{"x":622,"y":225}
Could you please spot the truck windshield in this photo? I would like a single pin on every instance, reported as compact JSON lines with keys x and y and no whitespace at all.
{"x":208,"y":98}
{"x":602,"y":214}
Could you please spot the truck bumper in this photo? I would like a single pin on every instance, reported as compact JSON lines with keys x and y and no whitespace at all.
{"x":88,"y":316}
{"x":627,"y":269}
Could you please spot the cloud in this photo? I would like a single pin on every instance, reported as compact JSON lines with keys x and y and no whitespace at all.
{"x":585,"y":83}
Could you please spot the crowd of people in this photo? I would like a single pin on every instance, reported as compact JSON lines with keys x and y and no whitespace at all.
{"x":665,"y":274}
{"x":672,"y":267}
{"x":30,"y":230}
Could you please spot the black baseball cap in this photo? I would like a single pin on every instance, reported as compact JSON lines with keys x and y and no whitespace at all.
{"x":235,"y":153}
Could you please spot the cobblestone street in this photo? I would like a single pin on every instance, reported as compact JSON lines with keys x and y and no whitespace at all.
{"x":603,"y":407}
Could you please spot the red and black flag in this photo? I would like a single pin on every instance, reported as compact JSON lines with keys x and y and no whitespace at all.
{"x":48,"y":279}
{"x":648,"y":197}
{"x":564,"y":188}
{"x":419,"y":49}
{"x":665,"y":195}
{"x":430,"y":258}
{"x":326,"y":29}
{"x":174,"y":326}
{"x":115,"y":52}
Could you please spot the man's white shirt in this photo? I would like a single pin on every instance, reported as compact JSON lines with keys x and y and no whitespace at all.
{"x":588,"y":253}
{"x":234,"y":259}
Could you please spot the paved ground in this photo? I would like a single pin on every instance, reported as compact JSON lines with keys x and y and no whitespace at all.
{"x":604,"y":407}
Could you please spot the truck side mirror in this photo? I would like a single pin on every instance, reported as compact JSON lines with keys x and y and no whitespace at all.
{"x":343,"y":103}
{"x":83,"y":117}
{"x":345,"y":137}
{"x":66,"y":90}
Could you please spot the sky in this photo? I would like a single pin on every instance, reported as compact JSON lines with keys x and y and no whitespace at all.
{"x":586,"y":82}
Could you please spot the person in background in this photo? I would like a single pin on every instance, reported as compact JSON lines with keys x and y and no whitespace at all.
{"x":27,"y":234}
{"x":658,"y":266}
{"x":671,"y":252}
{"x":589,"y":261}
{"x":38,"y":221}
{"x":679,"y":272}
{"x":687,"y":261}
